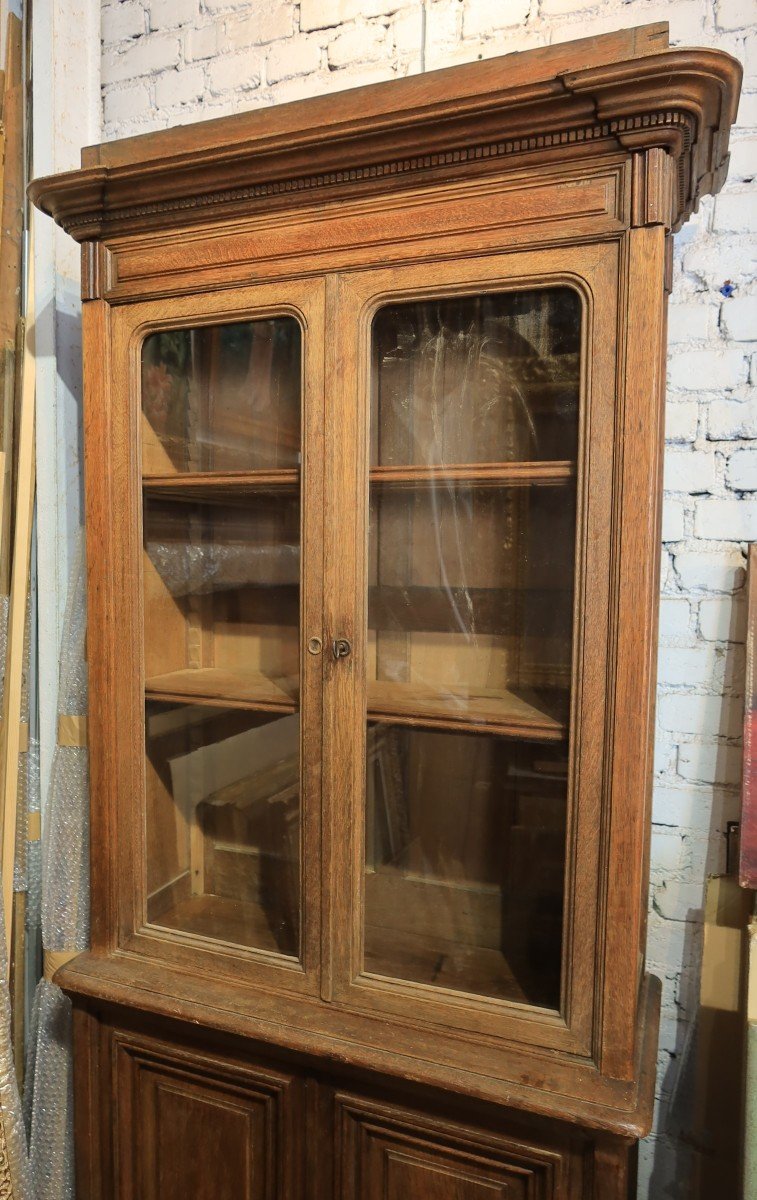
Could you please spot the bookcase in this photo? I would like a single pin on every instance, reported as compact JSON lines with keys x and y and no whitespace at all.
{"x":374,"y":413}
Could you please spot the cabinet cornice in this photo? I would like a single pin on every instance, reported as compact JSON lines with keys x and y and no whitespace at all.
{"x":680,"y":101}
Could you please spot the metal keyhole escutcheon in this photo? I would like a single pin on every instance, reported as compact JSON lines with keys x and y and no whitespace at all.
{"x":341,"y":647}
{"x":315,"y":645}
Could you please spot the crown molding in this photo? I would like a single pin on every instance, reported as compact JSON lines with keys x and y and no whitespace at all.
{"x":681,"y":102}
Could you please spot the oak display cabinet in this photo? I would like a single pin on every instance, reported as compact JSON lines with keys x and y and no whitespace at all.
{"x":373,"y":409}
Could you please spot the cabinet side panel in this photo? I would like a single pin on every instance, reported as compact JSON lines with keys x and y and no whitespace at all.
{"x":102,"y":636}
{"x":90,"y":1119}
{"x":638,"y":541}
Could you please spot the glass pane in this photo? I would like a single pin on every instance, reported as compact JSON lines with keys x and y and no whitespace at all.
{"x":465,"y":841}
{"x":470,"y":602}
{"x":221,"y":397}
{"x":221,"y":571}
{"x":476,"y":379}
{"x":223,"y":824}
{"x":470,"y":611}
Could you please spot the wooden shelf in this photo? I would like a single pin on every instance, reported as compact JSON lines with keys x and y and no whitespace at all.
{"x":487,"y":710}
{"x":435,"y":962}
{"x":511,"y":474}
{"x":222,"y":688}
{"x":239,"y":922}
{"x":212,"y":486}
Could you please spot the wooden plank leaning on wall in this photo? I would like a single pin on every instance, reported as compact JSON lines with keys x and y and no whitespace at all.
{"x":16,"y":485}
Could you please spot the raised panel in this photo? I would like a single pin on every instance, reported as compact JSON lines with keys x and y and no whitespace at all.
{"x":188,"y":1124}
{"x":389,"y":1153}
{"x":411,"y":1177}
{"x":206,"y":1146}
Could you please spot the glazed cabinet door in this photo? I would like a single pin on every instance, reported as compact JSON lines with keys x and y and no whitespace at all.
{"x":218,"y":695}
{"x":473,"y":547}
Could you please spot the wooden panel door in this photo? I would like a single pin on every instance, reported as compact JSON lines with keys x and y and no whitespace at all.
{"x":385,"y":1152}
{"x":471,"y":435}
{"x":195,"y":1124}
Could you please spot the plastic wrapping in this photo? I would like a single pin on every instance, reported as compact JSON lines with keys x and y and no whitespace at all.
{"x":192,"y":570}
{"x":28,"y":769}
{"x":15,"y":1177}
{"x":33,"y":956}
{"x":28,"y":801}
{"x":48,"y":1100}
{"x":65,"y":869}
{"x":14,"y":1164}
{"x":33,"y":874}
{"x":4,"y":606}
{"x":65,"y":890}
{"x":51,"y":1085}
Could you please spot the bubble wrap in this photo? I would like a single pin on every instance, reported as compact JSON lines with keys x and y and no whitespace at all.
{"x":50,"y":1084}
{"x":48,"y":1100}
{"x":28,"y":801}
{"x":28,"y":770}
{"x":14,"y":1164}
{"x":191,"y":570}
{"x":65,"y":865}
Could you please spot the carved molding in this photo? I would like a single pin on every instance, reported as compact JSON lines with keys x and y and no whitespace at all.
{"x":655,"y":184}
{"x":96,"y":270}
{"x":680,"y":102}
{"x":374,"y":1138}
{"x":459,"y":156}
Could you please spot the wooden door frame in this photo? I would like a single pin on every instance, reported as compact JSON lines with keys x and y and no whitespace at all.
{"x":114,"y":519}
{"x":593,"y":270}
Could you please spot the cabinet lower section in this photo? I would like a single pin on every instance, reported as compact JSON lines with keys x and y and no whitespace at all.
{"x":168,"y":1112}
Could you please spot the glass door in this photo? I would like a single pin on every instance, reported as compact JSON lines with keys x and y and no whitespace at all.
{"x":227,"y":484}
{"x":464,"y":873}
{"x":471,"y":548}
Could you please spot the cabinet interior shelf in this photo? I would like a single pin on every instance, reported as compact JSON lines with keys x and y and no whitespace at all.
{"x":207,"y":485}
{"x":227,"y":485}
{"x":510,"y":713}
{"x":509,"y":474}
{"x":223,"y":688}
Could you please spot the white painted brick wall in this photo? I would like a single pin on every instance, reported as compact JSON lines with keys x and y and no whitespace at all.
{"x":167,"y":62}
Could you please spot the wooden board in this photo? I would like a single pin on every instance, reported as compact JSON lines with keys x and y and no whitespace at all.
{"x":400,"y":703}
{"x":17,"y":610}
{"x":493,"y":710}
{"x":223,"y":486}
{"x":13,"y":198}
{"x":379,"y":103}
{"x":233,"y":689}
{"x":748,"y":833}
{"x":511,"y":474}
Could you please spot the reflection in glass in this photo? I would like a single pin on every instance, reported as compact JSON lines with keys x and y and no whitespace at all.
{"x":223,"y":824}
{"x":471,"y":551}
{"x":221,"y":579}
{"x":221,"y":397}
{"x":476,"y":379}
